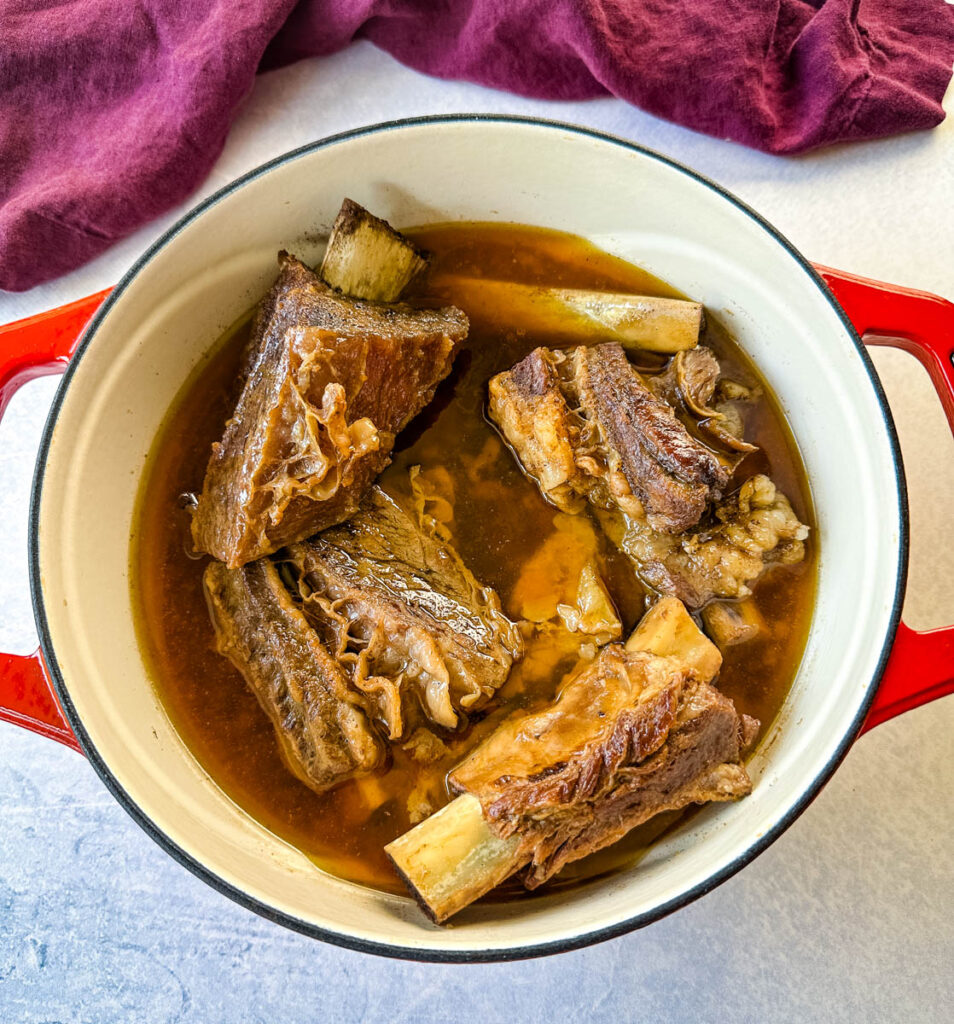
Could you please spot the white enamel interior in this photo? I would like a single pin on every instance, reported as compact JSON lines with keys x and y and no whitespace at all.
{"x":222,"y":260}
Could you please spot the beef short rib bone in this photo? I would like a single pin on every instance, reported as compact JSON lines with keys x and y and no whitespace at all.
{"x":329,"y":382}
{"x":453,"y":858}
{"x":634,"y":733}
{"x":586,"y":428}
{"x":646,"y":322}
{"x":323,"y":727}
{"x":367,"y":259}
{"x":404,"y":614}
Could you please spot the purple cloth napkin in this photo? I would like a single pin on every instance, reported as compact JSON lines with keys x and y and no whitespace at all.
{"x":112,"y":113}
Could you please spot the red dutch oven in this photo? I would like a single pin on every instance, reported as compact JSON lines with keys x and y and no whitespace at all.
{"x":126,"y":353}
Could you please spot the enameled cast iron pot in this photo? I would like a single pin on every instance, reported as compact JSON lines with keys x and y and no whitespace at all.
{"x":88,"y":687}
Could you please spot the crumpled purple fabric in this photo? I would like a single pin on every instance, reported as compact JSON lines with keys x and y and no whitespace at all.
{"x":112,"y":113}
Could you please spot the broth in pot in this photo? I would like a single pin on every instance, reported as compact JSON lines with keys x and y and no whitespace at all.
{"x":452,"y":462}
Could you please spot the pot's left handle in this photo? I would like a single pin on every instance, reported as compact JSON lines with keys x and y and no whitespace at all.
{"x":32,"y":348}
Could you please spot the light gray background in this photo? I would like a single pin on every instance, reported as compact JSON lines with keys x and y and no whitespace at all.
{"x":849,"y":916}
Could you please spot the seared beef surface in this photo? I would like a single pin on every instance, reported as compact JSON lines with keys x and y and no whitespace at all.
{"x":673,"y":475}
{"x":323,"y":726}
{"x":629,"y":736}
{"x":404,"y":614}
{"x":328,"y":383}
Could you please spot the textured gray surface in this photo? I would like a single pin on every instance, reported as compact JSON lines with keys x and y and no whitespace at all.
{"x":848,"y":917}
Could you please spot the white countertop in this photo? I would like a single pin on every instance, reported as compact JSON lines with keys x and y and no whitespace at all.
{"x":849,"y":916}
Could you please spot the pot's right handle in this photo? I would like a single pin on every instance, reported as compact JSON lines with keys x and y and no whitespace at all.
{"x":921,"y":665}
{"x":31,"y":348}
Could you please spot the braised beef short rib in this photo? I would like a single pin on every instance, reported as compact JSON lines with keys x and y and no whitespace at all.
{"x":328,"y":383}
{"x":323,"y":727}
{"x":375,"y":620}
{"x":585,"y":425}
{"x":634,"y":732}
{"x":629,"y":736}
{"x":402,"y":612}
{"x":588,"y":429}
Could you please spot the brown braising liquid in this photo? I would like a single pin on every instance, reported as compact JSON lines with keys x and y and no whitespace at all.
{"x":506,"y":533}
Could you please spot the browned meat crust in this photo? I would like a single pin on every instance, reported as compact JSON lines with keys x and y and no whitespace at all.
{"x":405,"y":615}
{"x":322,"y":726}
{"x":699,"y":763}
{"x":329,"y":382}
{"x":672,"y":474}
{"x":629,"y":736}
{"x":585,"y":426}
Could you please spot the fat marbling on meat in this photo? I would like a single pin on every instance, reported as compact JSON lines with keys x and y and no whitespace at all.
{"x":752,"y":529}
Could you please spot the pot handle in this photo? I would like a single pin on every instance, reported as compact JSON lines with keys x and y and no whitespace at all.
{"x":30,"y":348}
{"x":921,"y":664}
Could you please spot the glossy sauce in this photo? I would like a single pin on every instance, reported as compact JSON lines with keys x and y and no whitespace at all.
{"x":509,"y":537}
